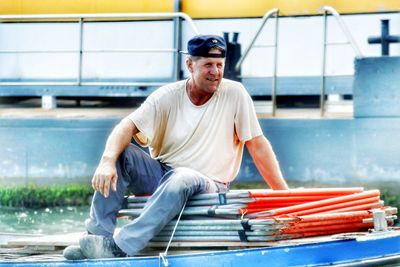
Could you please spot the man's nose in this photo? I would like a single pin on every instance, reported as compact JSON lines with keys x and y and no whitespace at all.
{"x":214,"y":70}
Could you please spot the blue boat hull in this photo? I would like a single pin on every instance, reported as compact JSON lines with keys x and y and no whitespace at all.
{"x":377,"y":247}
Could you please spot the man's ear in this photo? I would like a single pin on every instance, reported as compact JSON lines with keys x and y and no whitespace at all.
{"x":189,"y":64}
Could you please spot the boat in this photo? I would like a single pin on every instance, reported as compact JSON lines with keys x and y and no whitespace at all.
{"x":354,"y":249}
{"x":326,"y":226}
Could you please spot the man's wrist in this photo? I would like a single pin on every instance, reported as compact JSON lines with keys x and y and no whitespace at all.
{"x":108,"y":159}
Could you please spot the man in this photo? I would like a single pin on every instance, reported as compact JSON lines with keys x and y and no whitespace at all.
{"x":196,"y":130}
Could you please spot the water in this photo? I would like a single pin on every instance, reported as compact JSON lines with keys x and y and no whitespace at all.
{"x":46,"y":221}
{"x":43,"y":221}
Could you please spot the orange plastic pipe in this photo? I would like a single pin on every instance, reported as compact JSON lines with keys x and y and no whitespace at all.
{"x":268,"y":200}
{"x":360,"y":207}
{"x":330,"y":208}
{"x":261,"y":208}
{"x":322,"y":233}
{"x":320,"y":203}
{"x":328,"y":222}
{"x":324,"y":224}
{"x":274,"y":205}
{"x":329,"y":216}
{"x":306,"y":192}
{"x":338,"y":227}
{"x":337,"y":206}
{"x":339,"y":216}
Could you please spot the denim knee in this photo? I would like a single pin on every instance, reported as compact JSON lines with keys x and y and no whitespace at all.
{"x":186,"y":181}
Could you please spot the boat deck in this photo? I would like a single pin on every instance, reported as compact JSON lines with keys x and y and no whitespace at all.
{"x":19,"y":248}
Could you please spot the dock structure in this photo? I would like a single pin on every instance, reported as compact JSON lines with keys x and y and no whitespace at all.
{"x":322,"y":93}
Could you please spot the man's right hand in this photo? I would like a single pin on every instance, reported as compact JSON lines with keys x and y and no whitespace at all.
{"x":106,"y":173}
{"x":104,"y":177}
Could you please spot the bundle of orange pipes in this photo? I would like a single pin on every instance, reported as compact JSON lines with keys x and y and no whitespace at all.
{"x":319,"y":211}
{"x":267,"y":215}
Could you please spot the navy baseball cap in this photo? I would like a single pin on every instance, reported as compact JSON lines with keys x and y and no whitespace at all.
{"x":201,"y":45}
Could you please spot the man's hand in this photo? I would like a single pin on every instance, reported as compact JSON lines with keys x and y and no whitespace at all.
{"x":104,"y":177}
{"x":106,"y":173}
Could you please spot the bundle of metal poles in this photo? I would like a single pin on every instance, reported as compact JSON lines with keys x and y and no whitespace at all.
{"x":268,"y":215}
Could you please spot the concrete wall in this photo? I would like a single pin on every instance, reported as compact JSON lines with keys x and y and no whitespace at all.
{"x":321,"y":150}
{"x":377,"y":87}
{"x":336,"y":151}
{"x":51,"y":150}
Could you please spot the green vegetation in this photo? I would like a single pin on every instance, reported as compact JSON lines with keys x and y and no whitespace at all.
{"x":390,"y":193}
{"x":33,"y":196}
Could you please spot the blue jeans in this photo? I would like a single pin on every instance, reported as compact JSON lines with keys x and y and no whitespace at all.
{"x":170,"y":188}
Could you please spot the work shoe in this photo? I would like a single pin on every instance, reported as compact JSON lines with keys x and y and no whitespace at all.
{"x":73,"y":253}
{"x":96,"y":246}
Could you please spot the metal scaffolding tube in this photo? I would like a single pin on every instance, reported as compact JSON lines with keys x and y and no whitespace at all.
{"x":207,"y":196}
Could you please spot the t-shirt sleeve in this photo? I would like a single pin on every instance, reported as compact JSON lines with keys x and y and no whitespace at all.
{"x":145,"y":119}
{"x":247,"y":125}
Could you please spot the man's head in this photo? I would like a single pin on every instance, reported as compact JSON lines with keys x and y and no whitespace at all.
{"x":206,"y":62}
{"x":201,"y":45}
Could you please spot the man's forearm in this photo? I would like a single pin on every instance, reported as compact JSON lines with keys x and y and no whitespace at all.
{"x":268,"y":167}
{"x":118,"y":140}
{"x":265,"y":160}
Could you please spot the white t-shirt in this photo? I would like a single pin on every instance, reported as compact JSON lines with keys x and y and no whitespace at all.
{"x":208,"y":138}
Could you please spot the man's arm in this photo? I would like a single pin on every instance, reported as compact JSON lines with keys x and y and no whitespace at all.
{"x":106,"y":172}
{"x":265,"y":160}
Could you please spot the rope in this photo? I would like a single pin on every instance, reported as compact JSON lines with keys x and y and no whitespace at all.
{"x":163,"y":255}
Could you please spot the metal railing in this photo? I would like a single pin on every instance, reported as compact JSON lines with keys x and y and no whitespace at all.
{"x":343,"y":27}
{"x":80,"y":18}
{"x":264,"y":20}
{"x":350,"y":41}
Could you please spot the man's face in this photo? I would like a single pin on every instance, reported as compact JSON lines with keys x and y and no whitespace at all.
{"x":207,"y":73}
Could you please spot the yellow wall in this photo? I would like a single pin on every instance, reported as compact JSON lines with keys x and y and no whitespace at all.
{"x":257,"y":8}
{"x":9,"y":7}
{"x":196,"y":8}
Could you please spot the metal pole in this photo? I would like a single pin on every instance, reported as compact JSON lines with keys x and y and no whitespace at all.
{"x":79,"y":79}
{"x":246,"y":52}
{"x":229,"y":195}
{"x":384,"y":32}
{"x":345,"y":30}
{"x":216,"y":201}
{"x":274,"y":82}
{"x":205,"y":227}
{"x":201,"y":202}
{"x":197,"y":238}
{"x":264,"y":228}
{"x":177,"y":42}
{"x":103,"y":16}
{"x":322,"y":96}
